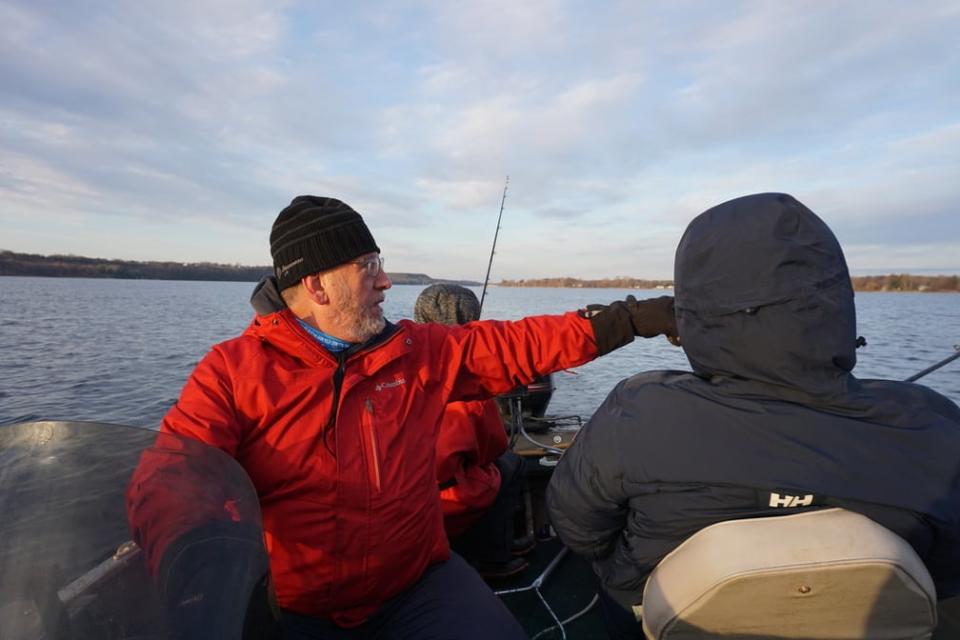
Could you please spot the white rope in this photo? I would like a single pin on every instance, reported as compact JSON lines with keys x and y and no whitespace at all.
{"x":578,"y":614}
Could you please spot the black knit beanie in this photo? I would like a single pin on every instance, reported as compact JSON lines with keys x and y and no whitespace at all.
{"x":314,"y":234}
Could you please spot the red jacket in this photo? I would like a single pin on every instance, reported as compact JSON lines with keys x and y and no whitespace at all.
{"x":342,"y":454}
{"x":471,"y":438}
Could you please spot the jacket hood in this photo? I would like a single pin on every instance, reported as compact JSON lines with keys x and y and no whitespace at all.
{"x":266,"y":298}
{"x":762,"y":293}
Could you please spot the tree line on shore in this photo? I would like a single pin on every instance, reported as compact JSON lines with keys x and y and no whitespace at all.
{"x":57,"y":266}
{"x":891,"y":282}
{"x":27,"y":264}
{"x":622,"y":282}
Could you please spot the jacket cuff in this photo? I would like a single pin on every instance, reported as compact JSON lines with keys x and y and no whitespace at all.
{"x":612,"y":327}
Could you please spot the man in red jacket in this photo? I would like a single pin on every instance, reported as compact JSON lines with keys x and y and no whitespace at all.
{"x":334,"y":412}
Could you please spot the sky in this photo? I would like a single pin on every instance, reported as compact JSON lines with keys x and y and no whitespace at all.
{"x":178,"y":129}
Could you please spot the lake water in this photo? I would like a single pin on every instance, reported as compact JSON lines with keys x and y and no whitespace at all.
{"x":120,"y":350}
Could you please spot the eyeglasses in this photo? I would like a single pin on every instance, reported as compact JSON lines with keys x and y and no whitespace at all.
{"x":372,"y":265}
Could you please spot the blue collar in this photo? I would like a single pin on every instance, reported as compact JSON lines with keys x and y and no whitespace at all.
{"x":329,"y":342}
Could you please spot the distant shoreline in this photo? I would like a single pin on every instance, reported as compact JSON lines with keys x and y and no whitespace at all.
{"x":26,"y":264}
{"x":56,"y":266}
{"x":888,"y":283}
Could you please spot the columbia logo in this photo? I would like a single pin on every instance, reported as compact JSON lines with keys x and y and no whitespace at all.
{"x":390,"y":385}
{"x":291,"y":265}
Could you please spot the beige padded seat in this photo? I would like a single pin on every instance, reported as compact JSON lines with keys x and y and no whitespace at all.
{"x":820,"y":574}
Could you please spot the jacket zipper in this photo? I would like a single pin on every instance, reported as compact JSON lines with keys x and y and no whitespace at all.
{"x":373,"y":445}
{"x":342,"y":358}
{"x":337,"y":383}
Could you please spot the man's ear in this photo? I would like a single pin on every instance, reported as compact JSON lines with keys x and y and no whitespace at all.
{"x":314,"y":289}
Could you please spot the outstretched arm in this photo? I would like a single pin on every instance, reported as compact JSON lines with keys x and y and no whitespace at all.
{"x":492,"y":357}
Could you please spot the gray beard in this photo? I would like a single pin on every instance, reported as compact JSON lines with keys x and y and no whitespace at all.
{"x":359,"y":325}
{"x":368,"y":327}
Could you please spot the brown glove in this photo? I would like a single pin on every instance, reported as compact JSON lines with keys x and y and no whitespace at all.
{"x":616,"y":324}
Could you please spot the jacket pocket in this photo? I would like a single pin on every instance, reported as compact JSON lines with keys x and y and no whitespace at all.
{"x":372,"y":447}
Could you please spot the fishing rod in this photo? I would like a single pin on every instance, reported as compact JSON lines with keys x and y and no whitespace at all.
{"x":516,"y":423}
{"x":493,"y":249}
{"x":936,"y":366}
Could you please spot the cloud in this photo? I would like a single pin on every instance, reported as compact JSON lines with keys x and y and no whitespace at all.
{"x":617,"y":122}
{"x":500,"y":29}
{"x":937,"y":146}
{"x":459,"y":194}
{"x":930,"y":258}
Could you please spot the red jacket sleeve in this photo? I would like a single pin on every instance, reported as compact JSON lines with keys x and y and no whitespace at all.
{"x":471,"y":438}
{"x":205,"y":409}
{"x":471,"y":434}
{"x":490,"y":357}
{"x":181,"y":485}
{"x":491,"y":436}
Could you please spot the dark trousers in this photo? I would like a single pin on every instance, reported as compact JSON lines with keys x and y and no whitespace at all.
{"x":488,"y":539}
{"x":619,"y":623}
{"x":450,"y":602}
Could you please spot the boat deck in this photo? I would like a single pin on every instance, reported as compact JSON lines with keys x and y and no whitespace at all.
{"x":569,"y":588}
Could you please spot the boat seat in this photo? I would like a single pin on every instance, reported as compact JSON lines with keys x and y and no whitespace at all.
{"x":820,"y":574}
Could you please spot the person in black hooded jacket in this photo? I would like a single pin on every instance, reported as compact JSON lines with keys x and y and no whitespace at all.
{"x":770,"y":421}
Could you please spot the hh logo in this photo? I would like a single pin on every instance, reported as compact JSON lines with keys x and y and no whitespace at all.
{"x":777,"y":500}
{"x":389,"y":385}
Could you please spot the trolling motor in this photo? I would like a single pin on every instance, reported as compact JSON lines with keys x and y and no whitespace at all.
{"x":529,"y":403}
{"x":523,"y":412}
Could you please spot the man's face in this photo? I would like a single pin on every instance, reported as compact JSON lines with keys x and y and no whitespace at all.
{"x":355,"y":298}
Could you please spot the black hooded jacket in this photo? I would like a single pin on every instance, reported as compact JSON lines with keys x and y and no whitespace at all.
{"x":771,"y":421}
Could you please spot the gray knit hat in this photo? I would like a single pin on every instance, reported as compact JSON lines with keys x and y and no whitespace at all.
{"x":447,"y":304}
{"x":313,"y":234}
